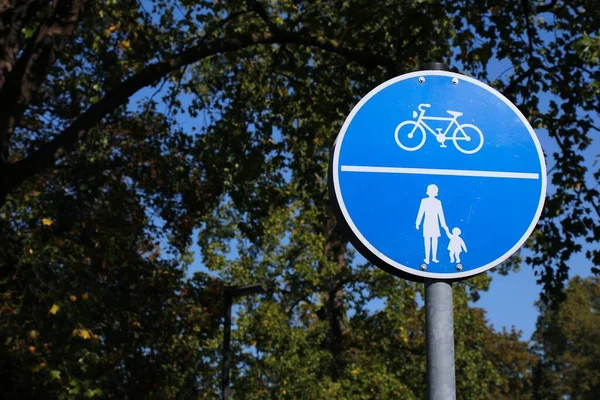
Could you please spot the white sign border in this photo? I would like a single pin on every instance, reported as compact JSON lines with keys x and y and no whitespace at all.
{"x":414,"y":271}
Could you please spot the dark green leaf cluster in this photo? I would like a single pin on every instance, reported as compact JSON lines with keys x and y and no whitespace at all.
{"x":100,"y":194}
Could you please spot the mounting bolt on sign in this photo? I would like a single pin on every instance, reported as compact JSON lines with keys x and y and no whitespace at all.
{"x":436,"y":177}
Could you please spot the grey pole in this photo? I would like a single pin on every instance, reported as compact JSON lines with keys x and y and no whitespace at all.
{"x":226,"y":345}
{"x":232,"y":292}
{"x":439,"y":321}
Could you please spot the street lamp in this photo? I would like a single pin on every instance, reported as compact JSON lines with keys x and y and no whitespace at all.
{"x":232,"y":292}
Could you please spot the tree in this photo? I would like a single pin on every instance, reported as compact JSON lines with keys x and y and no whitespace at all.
{"x":91,"y":189}
{"x":86,"y":283}
{"x":287,"y":343}
{"x":567,"y":342}
{"x":296,"y":99}
{"x":48,"y":70}
{"x":99,"y":202}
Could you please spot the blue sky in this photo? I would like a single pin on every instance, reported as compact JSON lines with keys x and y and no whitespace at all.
{"x":511,"y":299}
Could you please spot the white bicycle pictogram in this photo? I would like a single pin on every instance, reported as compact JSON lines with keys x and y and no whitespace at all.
{"x":408,"y":130}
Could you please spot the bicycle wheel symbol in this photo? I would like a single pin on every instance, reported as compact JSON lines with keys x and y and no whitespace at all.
{"x":410,"y":136}
{"x":467,"y":138}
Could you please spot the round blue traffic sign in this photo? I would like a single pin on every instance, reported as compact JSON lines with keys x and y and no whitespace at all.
{"x":437,"y":175}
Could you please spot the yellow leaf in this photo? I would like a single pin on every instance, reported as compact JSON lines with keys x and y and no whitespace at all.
{"x":355,"y":371}
{"x":82,"y":333}
{"x":112,"y":28}
{"x":47,"y":221}
{"x":84,"y":296}
{"x":85,"y":334}
{"x":39,"y":367}
{"x":73,"y":298}
{"x":33,"y":334}
{"x":32,"y":349}
{"x":54,"y":309}
{"x":125,"y":44}
{"x":30,"y":251}
{"x":283,"y":391}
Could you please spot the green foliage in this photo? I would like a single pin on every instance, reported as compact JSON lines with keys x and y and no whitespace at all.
{"x":307,"y":339}
{"x":87,"y":277}
{"x":99,"y":200}
{"x":568,"y":342}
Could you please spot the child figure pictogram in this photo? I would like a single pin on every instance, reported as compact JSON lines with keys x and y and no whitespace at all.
{"x":456,"y":245}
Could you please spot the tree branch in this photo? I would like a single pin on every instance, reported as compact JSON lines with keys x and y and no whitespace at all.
{"x":12,"y":21}
{"x":333,"y":46}
{"x":34,"y":64}
{"x":526,"y":11}
{"x":66,"y":140}
{"x":508,"y":90}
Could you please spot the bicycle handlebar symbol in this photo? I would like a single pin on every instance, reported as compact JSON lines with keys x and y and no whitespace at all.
{"x":463,"y":135}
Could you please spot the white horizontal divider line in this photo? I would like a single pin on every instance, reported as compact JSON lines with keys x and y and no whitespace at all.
{"x":434,"y":171}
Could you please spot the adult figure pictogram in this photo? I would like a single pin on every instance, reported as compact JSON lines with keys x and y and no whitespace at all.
{"x":431,"y":209}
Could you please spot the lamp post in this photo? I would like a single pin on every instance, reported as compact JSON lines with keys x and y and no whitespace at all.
{"x":232,"y":292}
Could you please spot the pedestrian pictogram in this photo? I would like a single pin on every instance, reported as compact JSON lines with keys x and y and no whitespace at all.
{"x":431,"y":212}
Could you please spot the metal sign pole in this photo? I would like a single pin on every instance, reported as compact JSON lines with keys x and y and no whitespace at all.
{"x":439,"y":321}
{"x":440,"y":340}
